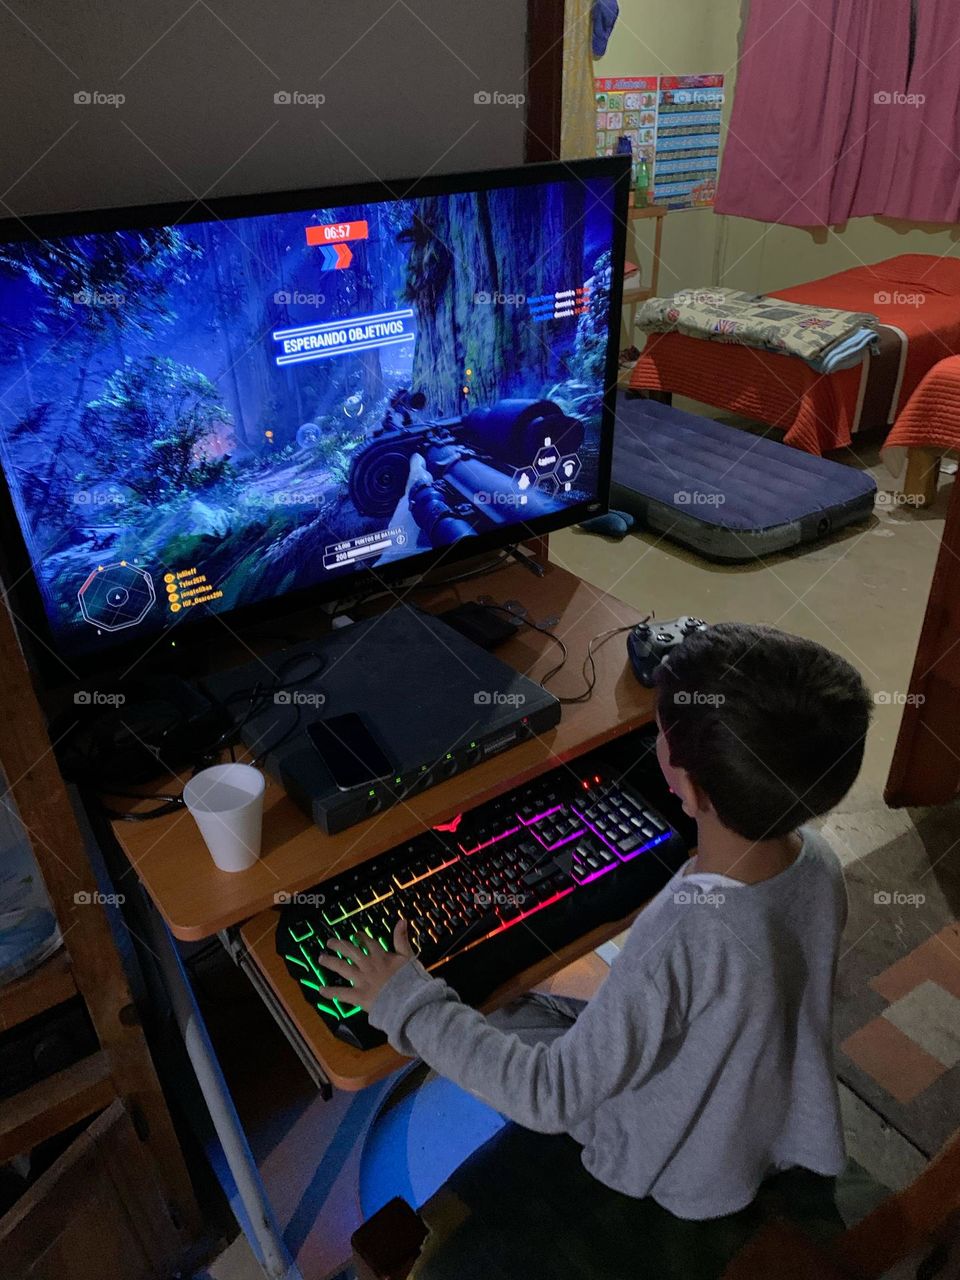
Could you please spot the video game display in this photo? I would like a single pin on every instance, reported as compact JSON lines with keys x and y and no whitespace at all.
{"x":207,"y":415}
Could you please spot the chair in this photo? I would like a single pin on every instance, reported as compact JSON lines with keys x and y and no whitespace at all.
{"x":523,"y":1205}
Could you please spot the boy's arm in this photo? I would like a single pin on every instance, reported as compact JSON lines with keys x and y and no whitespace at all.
{"x":544,"y":1087}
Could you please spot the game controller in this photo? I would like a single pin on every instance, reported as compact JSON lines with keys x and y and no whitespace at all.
{"x":650,"y":642}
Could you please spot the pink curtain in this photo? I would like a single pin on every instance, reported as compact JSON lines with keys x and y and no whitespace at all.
{"x":814,"y":132}
{"x":924,"y":180}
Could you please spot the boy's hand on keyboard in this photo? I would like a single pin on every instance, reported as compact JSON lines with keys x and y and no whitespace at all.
{"x":367,"y":971}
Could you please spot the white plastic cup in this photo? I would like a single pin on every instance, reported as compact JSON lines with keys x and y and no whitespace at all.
{"x":227,"y":805}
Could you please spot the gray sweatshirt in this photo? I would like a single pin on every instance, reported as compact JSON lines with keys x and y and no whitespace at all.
{"x":703,"y":1063}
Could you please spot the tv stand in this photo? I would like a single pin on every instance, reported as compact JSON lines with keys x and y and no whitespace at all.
{"x":528,"y":561}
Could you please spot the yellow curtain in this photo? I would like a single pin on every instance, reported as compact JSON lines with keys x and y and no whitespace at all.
{"x":577,"y":127}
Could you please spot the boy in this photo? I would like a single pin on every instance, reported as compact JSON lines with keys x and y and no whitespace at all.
{"x":705,"y":1060}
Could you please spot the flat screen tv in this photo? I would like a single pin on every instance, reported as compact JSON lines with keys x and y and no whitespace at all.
{"x":212,"y":411}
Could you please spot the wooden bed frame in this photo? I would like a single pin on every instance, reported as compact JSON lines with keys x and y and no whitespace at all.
{"x":923,"y":472}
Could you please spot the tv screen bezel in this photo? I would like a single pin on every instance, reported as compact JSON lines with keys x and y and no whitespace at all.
{"x":56,"y":667}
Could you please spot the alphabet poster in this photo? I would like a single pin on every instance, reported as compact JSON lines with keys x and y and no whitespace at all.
{"x":673,"y":122}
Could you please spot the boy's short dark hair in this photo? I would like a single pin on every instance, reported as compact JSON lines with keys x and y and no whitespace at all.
{"x":769,"y":725}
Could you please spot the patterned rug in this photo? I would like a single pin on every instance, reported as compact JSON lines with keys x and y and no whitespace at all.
{"x":898,"y":997}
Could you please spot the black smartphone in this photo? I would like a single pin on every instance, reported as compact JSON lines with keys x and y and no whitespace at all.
{"x":349,"y":750}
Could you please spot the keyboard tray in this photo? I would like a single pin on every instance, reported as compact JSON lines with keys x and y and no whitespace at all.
{"x":498,"y":969}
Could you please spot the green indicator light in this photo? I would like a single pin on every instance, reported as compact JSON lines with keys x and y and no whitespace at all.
{"x":397,"y":781}
{"x":473,"y":744}
{"x":372,"y":791}
{"x":449,"y":755}
{"x":423,"y":768}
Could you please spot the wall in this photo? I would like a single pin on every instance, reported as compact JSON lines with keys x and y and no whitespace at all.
{"x":680,"y":38}
{"x":759,"y":257}
{"x":399,"y":78}
{"x":688,"y":36}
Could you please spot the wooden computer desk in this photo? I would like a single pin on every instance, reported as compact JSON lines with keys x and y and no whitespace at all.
{"x":193,"y":900}
{"x":196,"y":900}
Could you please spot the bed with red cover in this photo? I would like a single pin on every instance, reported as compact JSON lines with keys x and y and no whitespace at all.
{"x":915,"y":296}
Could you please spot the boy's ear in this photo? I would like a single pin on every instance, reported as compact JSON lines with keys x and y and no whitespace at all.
{"x":693,"y":799}
{"x":685,"y":790}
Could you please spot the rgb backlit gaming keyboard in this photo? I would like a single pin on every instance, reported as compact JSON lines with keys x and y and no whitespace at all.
{"x":489,"y":892}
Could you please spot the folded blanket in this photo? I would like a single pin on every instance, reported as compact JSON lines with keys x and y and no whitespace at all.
{"x":826,"y":339}
{"x":846,"y":352}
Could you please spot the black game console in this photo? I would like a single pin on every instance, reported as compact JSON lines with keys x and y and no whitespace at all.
{"x":420,"y":696}
{"x":650,"y":642}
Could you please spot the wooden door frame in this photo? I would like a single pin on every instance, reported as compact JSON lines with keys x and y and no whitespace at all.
{"x":544,"y":79}
{"x":925,"y":769}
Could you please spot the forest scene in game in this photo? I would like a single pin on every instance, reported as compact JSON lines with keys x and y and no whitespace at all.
{"x":216,"y":413}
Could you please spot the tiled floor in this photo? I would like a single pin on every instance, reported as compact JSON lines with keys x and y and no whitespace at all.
{"x":916,"y":1039}
{"x":862,"y":594}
